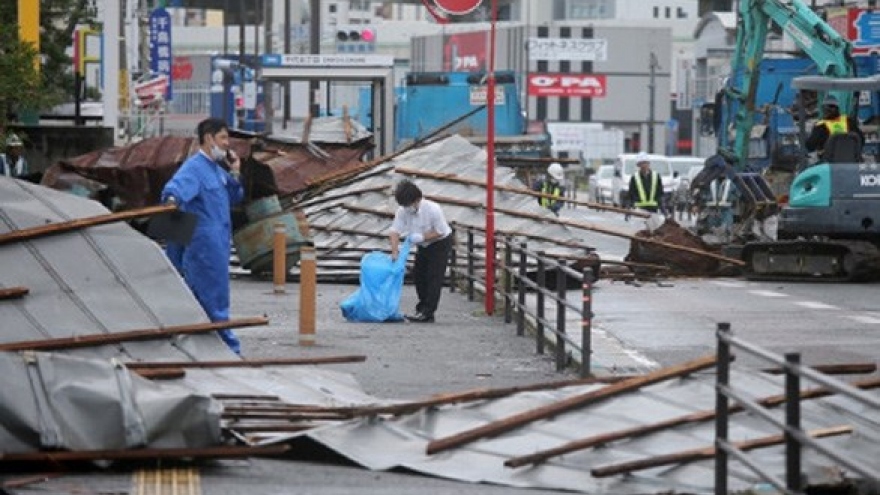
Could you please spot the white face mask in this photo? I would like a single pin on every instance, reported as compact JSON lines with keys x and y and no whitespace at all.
{"x":412,"y":209}
{"x":217,"y":153}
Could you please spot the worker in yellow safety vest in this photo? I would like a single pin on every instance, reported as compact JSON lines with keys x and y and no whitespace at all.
{"x":552,"y":186}
{"x":645,"y":187}
{"x":833,"y":122}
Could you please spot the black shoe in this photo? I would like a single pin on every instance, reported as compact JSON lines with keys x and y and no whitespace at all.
{"x":420,"y":318}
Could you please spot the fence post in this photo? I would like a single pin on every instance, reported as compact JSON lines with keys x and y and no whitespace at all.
{"x":521,"y":291}
{"x":470,"y":264}
{"x":587,"y":323}
{"x":722,"y":381}
{"x":508,"y":280}
{"x":279,"y":257}
{"x":793,"y":422}
{"x":308,"y":280}
{"x":560,"y":315}
{"x":539,"y":310}
{"x":453,"y":263}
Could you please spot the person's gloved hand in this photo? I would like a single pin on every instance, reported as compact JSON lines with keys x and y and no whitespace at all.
{"x":416,"y":238}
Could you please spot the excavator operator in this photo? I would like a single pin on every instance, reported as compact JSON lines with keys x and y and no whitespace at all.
{"x":833,"y":122}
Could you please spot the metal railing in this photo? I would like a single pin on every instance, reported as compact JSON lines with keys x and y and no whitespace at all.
{"x":794,"y":436}
{"x":515,"y":285}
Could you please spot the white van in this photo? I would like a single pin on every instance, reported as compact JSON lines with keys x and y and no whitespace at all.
{"x":626,"y":163}
{"x":684,"y":164}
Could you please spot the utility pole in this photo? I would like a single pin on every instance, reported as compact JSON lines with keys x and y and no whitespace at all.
{"x":268,"y":113}
{"x":315,"y":49}
{"x":652,"y":86}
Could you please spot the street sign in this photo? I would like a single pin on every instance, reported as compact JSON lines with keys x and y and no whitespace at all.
{"x":478,"y":96}
{"x":458,"y":7}
{"x":289,"y":60}
{"x":587,"y":50}
{"x":161,"y":58}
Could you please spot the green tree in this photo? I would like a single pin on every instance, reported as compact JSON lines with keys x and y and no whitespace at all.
{"x":21,"y":84}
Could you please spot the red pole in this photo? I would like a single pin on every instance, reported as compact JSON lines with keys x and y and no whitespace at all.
{"x":490,"y":167}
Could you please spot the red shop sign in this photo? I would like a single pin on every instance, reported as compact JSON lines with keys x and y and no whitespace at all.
{"x":571,"y":85}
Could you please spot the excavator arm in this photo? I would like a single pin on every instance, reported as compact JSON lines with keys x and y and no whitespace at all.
{"x":831,"y":53}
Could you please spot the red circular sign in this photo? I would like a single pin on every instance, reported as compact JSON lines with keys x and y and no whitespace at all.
{"x":458,"y":7}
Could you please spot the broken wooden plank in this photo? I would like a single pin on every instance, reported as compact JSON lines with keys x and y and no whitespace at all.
{"x":638,"y":431}
{"x":246,"y":363}
{"x":834,"y":369}
{"x":33,"y":233}
{"x":707,"y":452}
{"x":227,"y":452}
{"x":569,"y":404}
{"x":29,"y":480}
{"x":90,"y":340}
{"x":13,"y":293}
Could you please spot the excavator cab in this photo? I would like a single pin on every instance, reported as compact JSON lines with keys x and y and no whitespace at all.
{"x":830,"y":229}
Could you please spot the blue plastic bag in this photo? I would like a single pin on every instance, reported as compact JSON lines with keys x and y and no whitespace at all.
{"x":378,"y":298}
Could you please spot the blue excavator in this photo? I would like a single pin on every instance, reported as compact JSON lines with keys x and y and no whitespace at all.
{"x":819,"y":223}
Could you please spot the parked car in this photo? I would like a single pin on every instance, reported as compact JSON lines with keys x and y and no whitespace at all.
{"x":602,"y":185}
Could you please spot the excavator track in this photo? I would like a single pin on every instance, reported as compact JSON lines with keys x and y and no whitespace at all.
{"x":812,"y":261}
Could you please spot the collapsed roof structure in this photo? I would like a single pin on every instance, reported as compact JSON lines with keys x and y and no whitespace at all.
{"x":104,"y":305}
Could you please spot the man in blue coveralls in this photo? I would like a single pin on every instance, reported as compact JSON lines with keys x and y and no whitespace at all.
{"x":204,"y":186}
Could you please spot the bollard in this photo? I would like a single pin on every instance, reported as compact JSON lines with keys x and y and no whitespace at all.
{"x":307,"y":291}
{"x":279,"y":260}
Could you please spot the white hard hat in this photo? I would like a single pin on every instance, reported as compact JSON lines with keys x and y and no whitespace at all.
{"x":13,"y":140}
{"x":555,"y":171}
{"x":642,"y":157}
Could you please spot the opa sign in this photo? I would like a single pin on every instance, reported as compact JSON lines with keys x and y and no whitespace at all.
{"x":569,"y":85}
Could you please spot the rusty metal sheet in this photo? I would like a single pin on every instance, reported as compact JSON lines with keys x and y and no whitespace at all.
{"x":135,"y":174}
{"x":285,"y":169}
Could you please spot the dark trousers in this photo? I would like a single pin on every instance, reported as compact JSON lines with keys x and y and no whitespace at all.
{"x":429,"y":272}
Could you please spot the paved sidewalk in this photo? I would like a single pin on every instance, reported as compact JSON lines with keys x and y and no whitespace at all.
{"x":462,"y":350}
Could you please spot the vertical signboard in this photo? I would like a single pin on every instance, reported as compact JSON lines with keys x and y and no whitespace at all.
{"x":161,"y":58}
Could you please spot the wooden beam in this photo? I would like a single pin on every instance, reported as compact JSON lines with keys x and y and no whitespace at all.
{"x":245,"y":363}
{"x":91,"y":340}
{"x":143,"y":454}
{"x":409,"y":407}
{"x":638,"y":431}
{"x":566,"y":405}
{"x":707,"y":452}
{"x":13,"y":293}
{"x":33,"y":233}
{"x":835,"y":369}
{"x":518,"y":190}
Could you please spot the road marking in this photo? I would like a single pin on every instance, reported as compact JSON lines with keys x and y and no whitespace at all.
{"x":727,"y":283}
{"x":167,"y":481}
{"x":815,"y":305}
{"x":768,"y":293}
{"x":870,"y":320}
